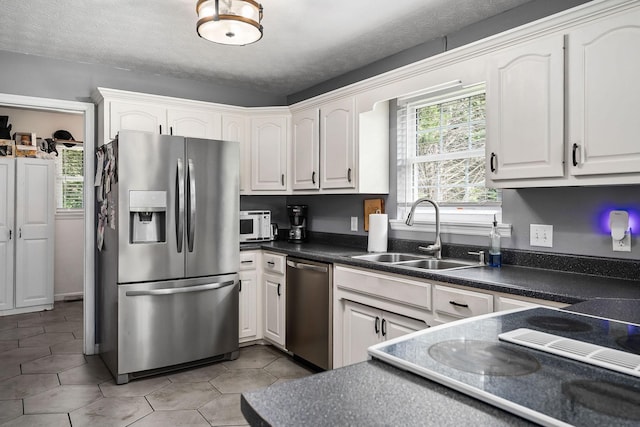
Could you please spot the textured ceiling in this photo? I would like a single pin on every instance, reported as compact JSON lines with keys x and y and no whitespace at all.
{"x":305,"y":42}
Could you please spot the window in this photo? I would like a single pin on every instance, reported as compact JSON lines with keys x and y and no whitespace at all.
{"x":441,"y":155}
{"x":69,"y":177}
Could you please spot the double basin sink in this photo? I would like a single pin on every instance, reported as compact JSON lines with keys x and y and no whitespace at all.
{"x":416,"y":261}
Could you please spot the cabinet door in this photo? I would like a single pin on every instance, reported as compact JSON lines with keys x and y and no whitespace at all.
{"x":234,"y":128}
{"x":306,"y":150}
{"x":248,"y":304}
{"x":136,"y":116}
{"x":7,"y":233}
{"x":35,"y":206}
{"x":269,"y":153}
{"x":361,"y":330}
{"x":274,"y":307}
{"x":194,"y":123}
{"x":337,"y":145}
{"x":525,"y":111}
{"x":395,"y":325}
{"x":604,"y":66}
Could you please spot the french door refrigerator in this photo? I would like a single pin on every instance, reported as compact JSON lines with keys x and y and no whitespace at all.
{"x":168,"y":258}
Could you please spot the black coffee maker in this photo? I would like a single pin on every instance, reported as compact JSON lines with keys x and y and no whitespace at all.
{"x":298,"y":220}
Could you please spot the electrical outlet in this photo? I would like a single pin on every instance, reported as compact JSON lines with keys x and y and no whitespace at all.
{"x":541,"y":235}
{"x":354,"y":223}
{"x":623,"y":245}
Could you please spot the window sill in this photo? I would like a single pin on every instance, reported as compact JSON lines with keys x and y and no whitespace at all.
{"x":467,"y":229}
{"x":69,"y":214}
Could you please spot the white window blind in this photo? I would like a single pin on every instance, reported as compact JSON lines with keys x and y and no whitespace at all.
{"x":441,"y":155}
{"x":69,"y":177}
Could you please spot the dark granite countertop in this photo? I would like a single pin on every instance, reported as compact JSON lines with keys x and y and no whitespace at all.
{"x":552,"y":285}
{"x":370,"y":393}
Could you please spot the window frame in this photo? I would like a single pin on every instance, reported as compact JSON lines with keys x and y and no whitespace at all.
{"x":457,"y":218}
{"x":61,"y":179}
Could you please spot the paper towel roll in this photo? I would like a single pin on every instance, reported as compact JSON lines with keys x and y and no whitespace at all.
{"x":378,"y":232}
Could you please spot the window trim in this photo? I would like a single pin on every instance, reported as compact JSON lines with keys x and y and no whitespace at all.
{"x":455,"y":218}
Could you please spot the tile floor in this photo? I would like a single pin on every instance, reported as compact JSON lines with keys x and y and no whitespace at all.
{"x":45,"y":380}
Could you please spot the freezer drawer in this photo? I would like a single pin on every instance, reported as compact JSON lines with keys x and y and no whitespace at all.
{"x":173,"y":322}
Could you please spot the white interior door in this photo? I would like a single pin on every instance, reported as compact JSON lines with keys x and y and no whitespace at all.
{"x":7,"y":206}
{"x":35,"y":208}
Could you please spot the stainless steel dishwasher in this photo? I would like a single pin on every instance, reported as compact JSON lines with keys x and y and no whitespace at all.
{"x":309,"y":311}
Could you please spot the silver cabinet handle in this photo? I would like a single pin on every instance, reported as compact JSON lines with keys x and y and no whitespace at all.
{"x":191,"y":195}
{"x":182,"y":290}
{"x":303,"y":266}
{"x":179,"y":204}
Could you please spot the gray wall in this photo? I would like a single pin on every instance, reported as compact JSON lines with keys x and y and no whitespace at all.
{"x":515,"y":17}
{"x":30,"y":75}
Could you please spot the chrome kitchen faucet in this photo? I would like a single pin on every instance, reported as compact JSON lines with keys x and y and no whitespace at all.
{"x":436,"y":247}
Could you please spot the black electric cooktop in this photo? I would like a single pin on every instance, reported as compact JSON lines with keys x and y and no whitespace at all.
{"x":547,"y":365}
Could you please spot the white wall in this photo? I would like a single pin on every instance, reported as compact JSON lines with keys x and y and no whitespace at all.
{"x":69,"y":234}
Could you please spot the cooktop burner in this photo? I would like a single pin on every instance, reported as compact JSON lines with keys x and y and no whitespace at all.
{"x":483,"y":357}
{"x":616,"y":400}
{"x":630,"y":343}
{"x":556,"y":323}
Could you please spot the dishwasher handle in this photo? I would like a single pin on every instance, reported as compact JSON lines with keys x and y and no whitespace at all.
{"x":305,"y":266}
{"x":182,"y":290}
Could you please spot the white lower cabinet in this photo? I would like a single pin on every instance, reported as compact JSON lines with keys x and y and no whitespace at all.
{"x":364,"y":326}
{"x":453,"y":303}
{"x":249,"y":296}
{"x":274,"y":291}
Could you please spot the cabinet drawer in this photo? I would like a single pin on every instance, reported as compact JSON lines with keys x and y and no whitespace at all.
{"x":248,"y":260}
{"x":273,"y":263}
{"x":460,"y":303}
{"x":393,"y":288}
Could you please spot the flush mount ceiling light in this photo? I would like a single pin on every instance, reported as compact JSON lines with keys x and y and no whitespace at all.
{"x":234,"y":22}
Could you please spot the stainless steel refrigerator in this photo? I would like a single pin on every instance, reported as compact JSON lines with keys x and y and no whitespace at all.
{"x":168,"y":257}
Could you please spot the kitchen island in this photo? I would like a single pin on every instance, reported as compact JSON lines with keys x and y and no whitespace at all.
{"x":370,"y":393}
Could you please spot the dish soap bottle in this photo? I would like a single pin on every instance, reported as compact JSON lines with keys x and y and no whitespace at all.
{"x":495,"y":257}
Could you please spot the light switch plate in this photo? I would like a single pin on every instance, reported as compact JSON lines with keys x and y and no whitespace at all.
{"x":354,"y":223}
{"x":541,"y":235}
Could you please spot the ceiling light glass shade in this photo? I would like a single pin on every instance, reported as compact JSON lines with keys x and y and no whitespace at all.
{"x":234,"y":22}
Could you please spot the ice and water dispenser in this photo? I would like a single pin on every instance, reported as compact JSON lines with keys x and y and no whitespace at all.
{"x":147,"y":216}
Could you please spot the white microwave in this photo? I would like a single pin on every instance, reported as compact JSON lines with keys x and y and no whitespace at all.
{"x":255,"y":226}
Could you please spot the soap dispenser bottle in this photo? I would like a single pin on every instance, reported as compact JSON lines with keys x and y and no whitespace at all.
{"x":495,"y":257}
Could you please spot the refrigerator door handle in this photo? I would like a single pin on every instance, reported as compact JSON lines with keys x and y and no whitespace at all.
{"x":179,"y":205}
{"x":191,"y":195}
{"x":182,"y":290}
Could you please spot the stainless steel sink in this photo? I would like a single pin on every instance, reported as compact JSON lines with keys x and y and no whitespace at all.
{"x":438,"y":264}
{"x":416,"y":261}
{"x":389,"y":257}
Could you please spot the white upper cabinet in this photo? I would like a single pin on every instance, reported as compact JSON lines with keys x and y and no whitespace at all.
{"x":525,"y":104}
{"x":269,"y":153}
{"x":125,"y":115}
{"x":529,"y":97}
{"x":336,"y":150}
{"x":194,"y":123}
{"x":234,"y":128}
{"x":604,"y":89}
{"x":305,"y":147}
{"x":337,"y":147}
